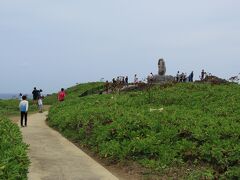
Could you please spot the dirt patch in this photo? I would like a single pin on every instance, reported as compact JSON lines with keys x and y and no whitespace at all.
{"x":129,"y":170}
{"x":124,"y":171}
{"x":46,"y":107}
{"x":214,"y":80}
{"x":15,"y":119}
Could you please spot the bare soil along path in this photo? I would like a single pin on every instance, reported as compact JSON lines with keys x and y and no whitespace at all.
{"x":55,"y":158}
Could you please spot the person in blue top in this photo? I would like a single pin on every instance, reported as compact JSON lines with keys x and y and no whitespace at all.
{"x":191,"y":77}
{"x":20,"y":96}
{"x":23,"y":106}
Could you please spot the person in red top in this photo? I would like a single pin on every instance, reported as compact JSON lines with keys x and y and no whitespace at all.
{"x":61,"y":95}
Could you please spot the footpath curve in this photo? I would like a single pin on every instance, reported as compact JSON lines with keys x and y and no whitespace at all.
{"x":55,"y":158}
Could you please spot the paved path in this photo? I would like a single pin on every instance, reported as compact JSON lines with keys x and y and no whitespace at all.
{"x":55,"y":158}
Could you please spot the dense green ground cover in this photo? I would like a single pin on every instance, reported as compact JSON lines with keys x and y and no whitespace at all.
{"x":11,"y":107}
{"x":13,"y":152}
{"x":199,"y":127}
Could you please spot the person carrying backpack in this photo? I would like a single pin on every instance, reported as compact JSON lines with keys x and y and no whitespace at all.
{"x":35,"y":94}
{"x":61,"y":95}
{"x":23,"y":106}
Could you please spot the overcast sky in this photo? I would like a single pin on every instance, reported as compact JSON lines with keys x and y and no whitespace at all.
{"x":57,"y":43}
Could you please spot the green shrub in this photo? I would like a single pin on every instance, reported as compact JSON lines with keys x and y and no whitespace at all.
{"x":13,"y":157}
{"x":199,"y":124}
{"x":11,"y":107}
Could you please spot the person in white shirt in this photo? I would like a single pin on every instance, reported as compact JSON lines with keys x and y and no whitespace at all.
{"x":135,"y":79}
{"x":150,"y":78}
{"x":20,"y":96}
{"x":40,"y":104}
{"x":23,"y":106}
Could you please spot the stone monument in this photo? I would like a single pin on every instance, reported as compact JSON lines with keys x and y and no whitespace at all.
{"x":161,"y":67}
{"x":161,"y":77}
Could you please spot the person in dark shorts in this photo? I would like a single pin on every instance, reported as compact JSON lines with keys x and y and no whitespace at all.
{"x":23,"y":106}
{"x":126,"y":81}
{"x":178,"y":77}
{"x":203,"y":73}
{"x":191,"y":77}
{"x":35,"y":94}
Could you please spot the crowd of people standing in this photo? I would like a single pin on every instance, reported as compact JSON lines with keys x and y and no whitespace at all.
{"x":24,"y":105}
{"x":37,"y":97}
{"x":123,"y":81}
{"x":120,"y":80}
{"x":183,"y":77}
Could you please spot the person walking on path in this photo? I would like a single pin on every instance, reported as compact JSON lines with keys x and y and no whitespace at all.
{"x":35,"y":94}
{"x":53,"y":157}
{"x":40,"y":94}
{"x":23,"y":106}
{"x":61,"y":95}
{"x":40,"y":104}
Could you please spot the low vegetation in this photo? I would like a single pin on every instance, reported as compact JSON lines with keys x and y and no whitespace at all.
{"x":13,"y":152}
{"x":11,"y":107}
{"x":76,"y":91}
{"x":195,"y":126}
{"x":14,"y":162}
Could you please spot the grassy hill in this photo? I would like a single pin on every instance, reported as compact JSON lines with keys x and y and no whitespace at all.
{"x":196,"y":134}
{"x":76,"y":91}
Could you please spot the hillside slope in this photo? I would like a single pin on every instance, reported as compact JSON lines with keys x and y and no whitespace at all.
{"x":197,"y":130}
{"x":75,"y":91}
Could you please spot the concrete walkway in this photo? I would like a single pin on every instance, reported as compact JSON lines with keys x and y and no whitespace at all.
{"x":55,"y":158}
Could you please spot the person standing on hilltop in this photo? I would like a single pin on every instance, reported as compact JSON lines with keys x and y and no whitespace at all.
{"x":126,"y":80}
{"x":203,"y":75}
{"x":191,"y":77}
{"x":20,"y":96}
{"x":61,"y":95}
{"x":135,"y":79}
{"x":178,"y":77}
{"x":150,"y":78}
{"x":114,"y":81}
{"x":23,"y":106}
